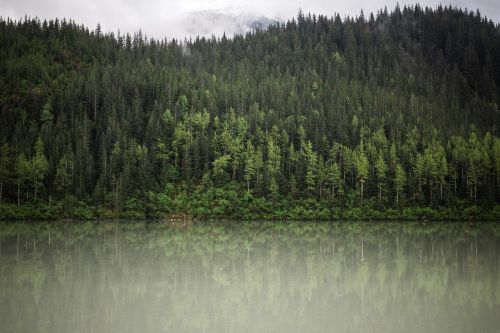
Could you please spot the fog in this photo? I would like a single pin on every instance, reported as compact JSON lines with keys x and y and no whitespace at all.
{"x":189,"y":18}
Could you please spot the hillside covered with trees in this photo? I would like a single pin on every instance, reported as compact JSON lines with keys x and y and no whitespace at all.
{"x":388,"y":115}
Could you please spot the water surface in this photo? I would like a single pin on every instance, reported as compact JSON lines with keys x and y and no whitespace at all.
{"x":249,"y":277}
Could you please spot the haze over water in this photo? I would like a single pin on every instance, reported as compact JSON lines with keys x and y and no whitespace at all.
{"x":249,"y":277}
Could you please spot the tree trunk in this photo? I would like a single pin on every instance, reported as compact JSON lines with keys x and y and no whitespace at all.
{"x":18,"y":193}
{"x":95,"y":102}
{"x":361,"y":191}
{"x":430,"y":188}
{"x":187,"y":161}
{"x":1,"y":190}
{"x":462,"y":176}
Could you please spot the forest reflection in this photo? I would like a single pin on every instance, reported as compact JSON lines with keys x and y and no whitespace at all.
{"x":249,"y":277}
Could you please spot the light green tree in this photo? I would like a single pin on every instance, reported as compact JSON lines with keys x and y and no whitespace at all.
{"x":5,"y":160}
{"x":334,"y":177}
{"x":39,"y":166}
{"x":273,"y":165}
{"x":258,"y":164}
{"x":496,"y":159}
{"x":474,"y":166}
{"x":312,"y":166}
{"x":362,"y":167}
{"x":22,"y":170}
{"x":380,"y":172}
{"x":419,"y":170}
{"x":220,"y":165}
{"x":442,"y":174}
{"x":436,"y":166}
{"x":249,"y":163}
{"x":322,"y":175}
{"x":183,"y":139}
{"x":399,"y":181}
{"x":235,"y":148}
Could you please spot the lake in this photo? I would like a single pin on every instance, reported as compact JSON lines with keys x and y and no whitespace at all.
{"x":249,"y":277}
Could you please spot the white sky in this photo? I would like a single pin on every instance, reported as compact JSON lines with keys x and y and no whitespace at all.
{"x":180,"y":18}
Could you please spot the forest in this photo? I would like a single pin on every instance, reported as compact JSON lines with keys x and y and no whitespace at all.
{"x":392,"y":115}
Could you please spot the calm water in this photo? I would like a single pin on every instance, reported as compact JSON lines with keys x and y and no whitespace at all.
{"x":249,"y":277}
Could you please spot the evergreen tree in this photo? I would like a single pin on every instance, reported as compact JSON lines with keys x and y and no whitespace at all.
{"x":250,"y":163}
{"x":380,"y":171}
{"x":64,"y":175}
{"x":362,"y":168}
{"x":401,"y":105}
{"x":312,"y":167}
{"x":5,"y":160}
{"x":399,"y":181}
{"x":23,"y":170}
{"x":39,"y":166}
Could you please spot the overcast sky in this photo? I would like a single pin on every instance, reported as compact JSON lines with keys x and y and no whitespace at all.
{"x":180,"y":18}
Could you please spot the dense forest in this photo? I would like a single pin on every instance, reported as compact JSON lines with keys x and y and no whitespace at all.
{"x":386,"y":115}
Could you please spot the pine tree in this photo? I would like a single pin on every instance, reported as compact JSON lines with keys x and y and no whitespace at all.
{"x":5,"y":161}
{"x":39,"y":166}
{"x":23,"y":170}
{"x":380,"y":171}
{"x":362,"y":168}
{"x":474,"y":167}
{"x":334,"y":177}
{"x":220,"y":165}
{"x":496,"y":157}
{"x":399,"y":181}
{"x":249,"y":163}
{"x":273,"y":165}
{"x":64,"y":175}
{"x":312,"y":167}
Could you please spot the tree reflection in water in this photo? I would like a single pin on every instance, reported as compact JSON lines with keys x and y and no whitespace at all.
{"x":249,"y":277}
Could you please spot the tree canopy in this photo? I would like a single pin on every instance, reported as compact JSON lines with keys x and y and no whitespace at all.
{"x":397,"y":109}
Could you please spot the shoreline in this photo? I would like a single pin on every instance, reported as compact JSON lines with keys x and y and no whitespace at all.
{"x":297,"y":212}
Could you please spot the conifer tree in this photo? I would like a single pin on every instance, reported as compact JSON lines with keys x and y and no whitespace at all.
{"x":39,"y":166}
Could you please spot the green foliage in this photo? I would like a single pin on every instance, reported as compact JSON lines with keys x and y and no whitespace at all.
{"x":5,"y":162}
{"x":220,"y":165}
{"x":64,"y":175}
{"x":361,"y":164}
{"x":380,"y":172}
{"x":39,"y":166}
{"x":316,"y":116}
{"x":312,"y":167}
{"x":399,"y":181}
